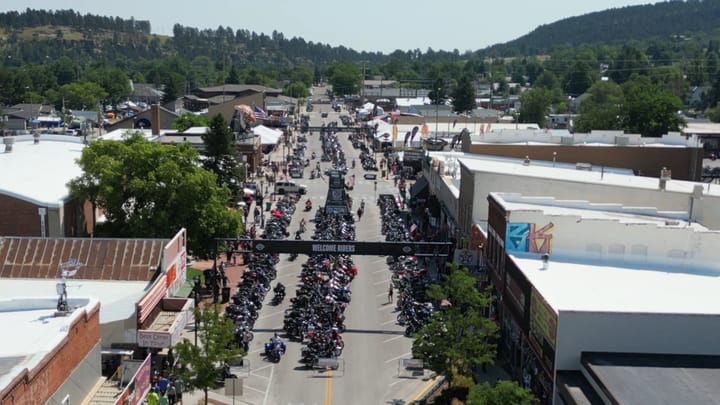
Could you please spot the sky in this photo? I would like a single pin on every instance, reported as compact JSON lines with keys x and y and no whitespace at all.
{"x":367,"y":25}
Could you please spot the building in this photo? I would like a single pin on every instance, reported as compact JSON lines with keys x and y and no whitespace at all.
{"x":139,"y":284}
{"x":155,"y":117}
{"x":479,"y":177}
{"x":594,"y":291}
{"x":681,"y":153}
{"x":33,"y":189}
{"x":50,"y":356}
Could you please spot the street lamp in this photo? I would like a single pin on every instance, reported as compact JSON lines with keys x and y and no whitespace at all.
{"x":196,"y":292}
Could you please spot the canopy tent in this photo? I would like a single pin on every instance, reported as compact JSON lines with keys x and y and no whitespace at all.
{"x":268,"y":136}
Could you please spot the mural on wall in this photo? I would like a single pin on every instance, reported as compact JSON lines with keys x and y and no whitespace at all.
{"x":527,"y":237}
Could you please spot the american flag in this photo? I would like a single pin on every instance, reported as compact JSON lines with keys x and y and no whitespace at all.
{"x":259,"y":113}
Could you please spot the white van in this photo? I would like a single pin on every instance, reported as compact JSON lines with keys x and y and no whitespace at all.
{"x":282,"y":187}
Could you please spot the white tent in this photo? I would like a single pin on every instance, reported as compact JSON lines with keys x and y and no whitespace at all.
{"x":268,"y":136}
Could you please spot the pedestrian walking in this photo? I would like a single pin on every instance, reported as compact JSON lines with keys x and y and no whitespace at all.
{"x":359,"y":213}
{"x":390,"y":294}
{"x":172,"y":394}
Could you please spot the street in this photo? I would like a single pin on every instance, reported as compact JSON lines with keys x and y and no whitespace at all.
{"x":374,"y":343}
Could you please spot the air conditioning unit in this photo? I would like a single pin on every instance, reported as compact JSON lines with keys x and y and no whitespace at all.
{"x":622,"y":140}
{"x":567,"y":140}
{"x":584,"y":166}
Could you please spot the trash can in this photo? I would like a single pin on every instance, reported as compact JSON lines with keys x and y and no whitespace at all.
{"x":268,"y":205}
{"x":225,"y":294}
{"x":382,"y":174}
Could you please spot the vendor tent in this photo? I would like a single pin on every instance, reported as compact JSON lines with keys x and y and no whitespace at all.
{"x":268,"y":136}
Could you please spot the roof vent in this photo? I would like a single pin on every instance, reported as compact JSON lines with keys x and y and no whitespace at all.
{"x":526,"y":161}
{"x":545,"y":261}
{"x":36,"y":138}
{"x":665,"y":175}
{"x":8,"y":141}
{"x":672,"y":222}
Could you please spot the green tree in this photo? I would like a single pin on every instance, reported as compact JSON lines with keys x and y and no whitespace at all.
{"x":150,"y":190}
{"x":649,"y":109}
{"x":629,"y":61}
{"x":220,"y":155}
{"x":345,"y":78}
{"x":463,"y":96}
{"x":579,"y":79}
{"x":601,"y":109}
{"x":713,"y":113}
{"x":296,"y":90}
{"x":189,"y":120}
{"x":79,"y":95}
{"x":534,"y":106}
{"x":457,"y":338}
{"x":503,"y":393}
{"x":206,"y":361}
{"x":438,"y":94}
{"x":114,"y":81}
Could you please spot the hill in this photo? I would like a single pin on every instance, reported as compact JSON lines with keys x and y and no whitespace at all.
{"x":671,"y":19}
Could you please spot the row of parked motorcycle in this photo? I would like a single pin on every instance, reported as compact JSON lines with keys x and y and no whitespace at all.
{"x":409,"y":275}
{"x":257,"y":278}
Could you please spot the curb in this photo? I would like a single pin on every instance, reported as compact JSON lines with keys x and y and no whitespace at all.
{"x":428,"y":390}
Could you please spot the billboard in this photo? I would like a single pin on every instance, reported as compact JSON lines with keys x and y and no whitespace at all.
{"x":139,"y":385}
{"x":543,"y":328}
{"x":174,"y":262}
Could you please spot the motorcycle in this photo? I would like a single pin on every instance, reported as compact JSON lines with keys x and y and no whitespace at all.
{"x":274,"y":351}
{"x":313,"y":156}
{"x":308,"y":205}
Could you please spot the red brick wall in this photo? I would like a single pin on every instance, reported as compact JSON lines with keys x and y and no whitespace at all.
{"x":18,"y":217}
{"x":36,"y":386}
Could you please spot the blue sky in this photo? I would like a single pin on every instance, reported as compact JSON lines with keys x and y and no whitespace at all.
{"x":369,"y":25}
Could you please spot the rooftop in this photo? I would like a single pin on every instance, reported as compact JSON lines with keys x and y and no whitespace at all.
{"x":630,"y":378}
{"x":117,"y":298}
{"x":568,"y":173}
{"x":598,"y":287}
{"x":36,"y":331}
{"x":39,"y":173}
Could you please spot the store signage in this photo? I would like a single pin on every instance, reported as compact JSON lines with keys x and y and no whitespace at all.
{"x":543,"y":328}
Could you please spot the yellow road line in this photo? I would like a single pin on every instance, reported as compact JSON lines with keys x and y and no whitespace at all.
{"x":328,"y":387}
{"x":424,"y":390}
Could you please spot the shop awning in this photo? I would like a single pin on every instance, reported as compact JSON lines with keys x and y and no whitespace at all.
{"x":420,"y":188}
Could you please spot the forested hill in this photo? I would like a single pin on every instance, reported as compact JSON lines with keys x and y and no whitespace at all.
{"x":614,"y":26}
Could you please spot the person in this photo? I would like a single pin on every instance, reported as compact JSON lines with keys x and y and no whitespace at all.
{"x":179,"y":386}
{"x":164,"y":400}
{"x":152,"y":398}
{"x":390,"y":294}
{"x":172,"y":394}
{"x":162,"y":384}
{"x":359,"y":213}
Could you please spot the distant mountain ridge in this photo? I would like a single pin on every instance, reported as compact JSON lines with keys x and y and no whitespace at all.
{"x":616,"y":25}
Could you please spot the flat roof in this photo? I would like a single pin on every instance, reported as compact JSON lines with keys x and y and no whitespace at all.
{"x":587,"y":210}
{"x":601,"y":287}
{"x":118,"y":298}
{"x":630,"y":378}
{"x":36,"y":331}
{"x":515,"y":167}
{"x":39,"y":173}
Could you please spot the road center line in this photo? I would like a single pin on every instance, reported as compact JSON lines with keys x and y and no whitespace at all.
{"x":328,"y":388}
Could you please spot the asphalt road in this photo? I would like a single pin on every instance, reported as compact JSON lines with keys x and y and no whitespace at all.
{"x":374,"y":343}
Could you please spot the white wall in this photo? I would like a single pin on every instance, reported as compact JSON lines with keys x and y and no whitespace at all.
{"x":707,"y":210}
{"x":633,"y":333}
{"x":635,"y":244}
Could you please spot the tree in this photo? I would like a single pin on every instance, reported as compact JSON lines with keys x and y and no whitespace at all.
{"x":204,"y":365}
{"x":629,"y":61}
{"x":150,"y":190}
{"x":534,"y":106}
{"x":437,"y":94}
{"x":220,"y":155}
{"x":457,"y":338}
{"x":189,"y":120}
{"x":345,"y":78}
{"x":296,"y":90}
{"x":601,"y":109}
{"x":463,"y":97}
{"x":503,"y":393}
{"x":649,"y":109}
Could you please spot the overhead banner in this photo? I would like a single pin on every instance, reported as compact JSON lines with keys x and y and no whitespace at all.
{"x":350,"y":247}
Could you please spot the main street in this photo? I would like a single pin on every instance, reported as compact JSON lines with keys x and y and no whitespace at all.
{"x":374,"y":343}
